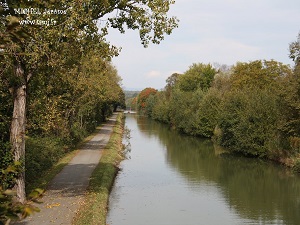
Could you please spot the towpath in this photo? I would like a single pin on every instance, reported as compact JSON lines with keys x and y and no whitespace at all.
{"x":66,"y":191}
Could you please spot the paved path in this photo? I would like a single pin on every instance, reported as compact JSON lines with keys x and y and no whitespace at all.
{"x":65,"y":193}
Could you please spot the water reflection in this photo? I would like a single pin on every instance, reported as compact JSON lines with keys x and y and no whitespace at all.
{"x":257,"y":191}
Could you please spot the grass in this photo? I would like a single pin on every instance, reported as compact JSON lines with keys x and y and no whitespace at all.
{"x":94,"y":209}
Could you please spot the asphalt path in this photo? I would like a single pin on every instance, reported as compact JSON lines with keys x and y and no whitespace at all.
{"x":66,"y":191}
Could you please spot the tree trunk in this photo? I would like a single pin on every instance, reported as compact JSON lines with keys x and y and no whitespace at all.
{"x":17,"y":131}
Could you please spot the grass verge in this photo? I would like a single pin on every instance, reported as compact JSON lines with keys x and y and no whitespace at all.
{"x":94,"y":209}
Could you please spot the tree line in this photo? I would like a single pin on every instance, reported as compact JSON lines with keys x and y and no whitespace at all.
{"x":252,"y":108}
{"x":57,"y":81}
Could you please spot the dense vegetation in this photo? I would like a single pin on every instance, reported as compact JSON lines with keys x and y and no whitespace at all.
{"x":65,"y":102}
{"x":57,"y":81}
{"x":250,"y":108}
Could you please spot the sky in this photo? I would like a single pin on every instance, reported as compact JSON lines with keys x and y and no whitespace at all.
{"x":210,"y":31}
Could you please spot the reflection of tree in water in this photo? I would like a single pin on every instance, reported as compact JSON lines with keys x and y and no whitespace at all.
{"x":149,"y":127}
{"x":257,"y":190}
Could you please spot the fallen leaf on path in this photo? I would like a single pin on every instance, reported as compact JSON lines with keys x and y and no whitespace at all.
{"x":52,"y":205}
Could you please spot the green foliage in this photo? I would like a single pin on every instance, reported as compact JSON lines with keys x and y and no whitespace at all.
{"x":185,"y":103}
{"x":148,"y":17}
{"x":296,"y":167}
{"x":208,"y":113}
{"x":66,"y":72}
{"x":41,"y":154}
{"x":259,"y":74}
{"x":195,"y":113}
{"x":183,"y":110}
{"x":290,"y":100}
{"x":249,"y":122}
{"x":252,"y":108}
{"x":133,"y":103}
{"x":161,"y":107}
{"x":295,"y":50}
{"x":8,"y":174}
{"x":10,"y":209}
{"x":171,"y":82}
{"x":150,"y":102}
{"x":294,"y":144}
{"x":252,"y":120}
{"x":6,"y":157}
{"x":5,"y":109}
{"x":198,"y":76}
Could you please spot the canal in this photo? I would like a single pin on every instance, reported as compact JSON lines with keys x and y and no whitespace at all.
{"x":173,"y":179}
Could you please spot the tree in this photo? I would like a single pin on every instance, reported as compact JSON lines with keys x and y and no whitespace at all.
{"x":197,"y":76}
{"x":295,"y":51}
{"x":161,"y":107}
{"x":171,"y":82}
{"x":259,"y":74}
{"x":248,"y":122}
{"x":29,"y":48}
{"x":291,"y":101}
{"x":183,"y":108}
{"x":143,"y":97}
{"x":250,"y":119}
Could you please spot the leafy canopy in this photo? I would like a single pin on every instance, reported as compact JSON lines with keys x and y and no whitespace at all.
{"x":199,"y":75}
{"x":148,"y":16}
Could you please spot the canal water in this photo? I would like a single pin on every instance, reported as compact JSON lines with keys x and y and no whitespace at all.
{"x":173,"y":179}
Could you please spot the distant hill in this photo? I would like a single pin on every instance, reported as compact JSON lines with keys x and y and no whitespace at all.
{"x":131,"y":94}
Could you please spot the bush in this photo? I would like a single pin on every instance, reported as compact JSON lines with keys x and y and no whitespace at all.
{"x":296,"y":167}
{"x":161,"y":108}
{"x":6,"y":161}
{"x":41,"y":154}
{"x":208,"y":113}
{"x":77,"y":133}
{"x":249,"y":122}
{"x":295,"y":144}
{"x":184,"y":106}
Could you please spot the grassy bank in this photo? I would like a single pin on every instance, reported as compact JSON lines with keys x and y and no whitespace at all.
{"x":94,"y":209}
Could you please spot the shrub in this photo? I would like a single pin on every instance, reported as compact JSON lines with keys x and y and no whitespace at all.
{"x":161,"y":109}
{"x":41,"y":154}
{"x":208,"y":113}
{"x":296,"y":167}
{"x":8,"y":167}
{"x":249,"y":122}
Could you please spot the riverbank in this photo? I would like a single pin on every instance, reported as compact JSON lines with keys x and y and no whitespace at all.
{"x":94,"y":207}
{"x":292,"y":162}
{"x":250,"y":109}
